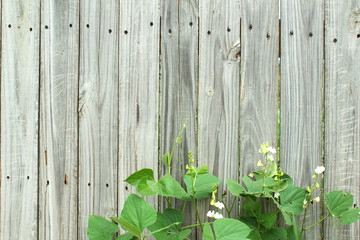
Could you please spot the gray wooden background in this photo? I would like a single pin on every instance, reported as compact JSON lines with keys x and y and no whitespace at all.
{"x":93,"y":90}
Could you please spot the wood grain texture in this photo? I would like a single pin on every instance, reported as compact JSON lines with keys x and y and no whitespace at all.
{"x":179,"y":85}
{"x":139,"y":91}
{"x":98,"y":110}
{"x":302,"y":96}
{"x":19,"y":119}
{"x":342,"y":90}
{"x":59,"y":120}
{"x":219,"y":86}
{"x":259,"y":79}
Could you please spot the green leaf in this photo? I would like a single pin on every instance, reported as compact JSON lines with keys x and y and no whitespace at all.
{"x":275,"y":234}
{"x":272,"y":169}
{"x":167,"y":158}
{"x":267,"y":219}
{"x":292,"y":199}
{"x":100,"y":228}
{"x":138,"y":213}
{"x":126,"y":236}
{"x":160,"y":223}
{"x":179,"y":235}
{"x":230,"y":229}
{"x":279,"y":186}
{"x":208,"y":233}
{"x":202,"y":170}
{"x":287,"y":218}
{"x":350,"y":216}
{"x":145,"y":187}
{"x":128,"y":226}
{"x":169,"y":187}
{"x":173,"y":215}
{"x":252,"y":186}
{"x":235,"y":188}
{"x":338,"y":202}
{"x":254,"y":235}
{"x":204,"y":185}
{"x":135,"y":178}
{"x":252,"y":207}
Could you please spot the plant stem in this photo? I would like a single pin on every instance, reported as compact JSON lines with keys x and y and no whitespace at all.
{"x":305,"y":229}
{"x":183,"y":207}
{"x":197,"y":213}
{"x":194,"y":225}
{"x":304,"y":217}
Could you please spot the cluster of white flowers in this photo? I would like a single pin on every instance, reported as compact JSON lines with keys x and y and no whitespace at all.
{"x":213,"y":214}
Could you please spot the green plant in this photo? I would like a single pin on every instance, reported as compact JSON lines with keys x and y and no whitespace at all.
{"x":270,"y":182}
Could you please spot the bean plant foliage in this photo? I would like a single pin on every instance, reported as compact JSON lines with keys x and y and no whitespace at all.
{"x":139,"y":220}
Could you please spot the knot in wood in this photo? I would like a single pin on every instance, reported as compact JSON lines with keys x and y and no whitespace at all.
{"x":354,"y":20}
{"x":233,"y":53}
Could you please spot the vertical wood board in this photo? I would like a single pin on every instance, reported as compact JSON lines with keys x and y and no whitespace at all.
{"x":98,"y":111}
{"x":302,"y":97}
{"x":259,"y":80}
{"x":219,"y":84}
{"x":59,"y":120}
{"x":138,"y":91}
{"x":342,"y":125}
{"x":19,"y":119}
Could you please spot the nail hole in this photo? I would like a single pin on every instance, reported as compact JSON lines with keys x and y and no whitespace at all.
{"x":46,"y":26}
{"x":47,"y":182}
{"x":310,"y":34}
{"x":358,"y":36}
{"x":250,"y":27}
{"x":169,"y":31}
{"x":126,"y":32}
{"x":110,"y":31}
{"x":267,"y":36}
{"x":89,"y":184}
{"x":70,"y":25}
{"x":87,"y":25}
{"x":291,"y":33}
{"x":208,"y":32}
{"x":107,"y":185}
{"x":8,"y":177}
{"x":28,"y":177}
{"x":228,"y":29}
{"x":30,"y":29}
{"x":335,"y":40}
{"x":9,"y":26}
{"x":191,"y":24}
{"x":126,"y":188}
{"x":151,"y":24}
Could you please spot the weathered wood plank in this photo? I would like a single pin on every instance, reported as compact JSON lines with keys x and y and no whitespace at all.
{"x":301,"y":96}
{"x":259,"y":79}
{"x":59,"y":120}
{"x":219,"y":86}
{"x":19,"y":119}
{"x":179,"y":84}
{"x":98,"y":110}
{"x":342,"y":120}
{"x":139,"y":91}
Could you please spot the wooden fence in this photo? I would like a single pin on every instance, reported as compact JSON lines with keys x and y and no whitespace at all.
{"x":93,"y":90}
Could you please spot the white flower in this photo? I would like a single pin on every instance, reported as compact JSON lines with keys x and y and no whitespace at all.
{"x":276,"y":195}
{"x":218,"y":215}
{"x":251,"y":174}
{"x":317,"y":199}
{"x":305,"y":202}
{"x":319,"y":169}
{"x":219,"y":205}
{"x":210,"y":214}
{"x":270,"y":157}
{"x":271,"y":150}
